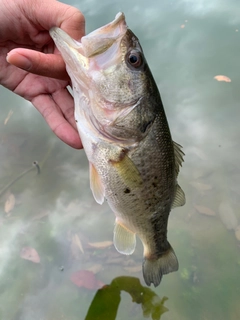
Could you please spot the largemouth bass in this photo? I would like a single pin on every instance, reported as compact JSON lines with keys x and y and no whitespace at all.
{"x":133,"y":160}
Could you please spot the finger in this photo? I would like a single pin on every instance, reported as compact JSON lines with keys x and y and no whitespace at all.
{"x":48,"y":14}
{"x":49,"y":65}
{"x":73,"y":23}
{"x":56,"y":121}
{"x":64,"y":99}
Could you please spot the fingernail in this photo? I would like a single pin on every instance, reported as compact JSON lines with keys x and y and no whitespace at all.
{"x":21,"y":62}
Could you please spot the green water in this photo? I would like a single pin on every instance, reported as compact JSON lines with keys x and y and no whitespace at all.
{"x":187,"y":43}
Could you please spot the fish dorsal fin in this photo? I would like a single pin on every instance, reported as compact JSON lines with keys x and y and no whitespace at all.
{"x":124,"y":240}
{"x":178,"y":156}
{"x":179,"y":199}
{"x":96,"y":184}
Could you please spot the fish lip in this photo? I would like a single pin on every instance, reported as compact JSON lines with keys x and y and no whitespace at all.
{"x":56,"y":32}
{"x":110,"y":27}
{"x":102,"y":38}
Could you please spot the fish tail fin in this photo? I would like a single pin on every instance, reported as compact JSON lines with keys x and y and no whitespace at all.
{"x":154,"y":269}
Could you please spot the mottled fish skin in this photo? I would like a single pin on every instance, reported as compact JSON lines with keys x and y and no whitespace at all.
{"x":121,"y":120}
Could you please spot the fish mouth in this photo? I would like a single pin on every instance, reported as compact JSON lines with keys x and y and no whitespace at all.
{"x":92,"y":45}
{"x":102,"y":39}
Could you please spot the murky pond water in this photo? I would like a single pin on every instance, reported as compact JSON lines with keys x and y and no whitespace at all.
{"x":55,"y":241}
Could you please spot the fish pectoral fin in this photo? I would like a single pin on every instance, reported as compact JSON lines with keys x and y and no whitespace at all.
{"x":178,"y":156}
{"x":179,"y":199}
{"x":124,"y":240}
{"x":96,"y":184}
{"x":127,"y":171}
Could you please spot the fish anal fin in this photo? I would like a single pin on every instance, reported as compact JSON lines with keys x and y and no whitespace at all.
{"x":154,"y":269}
{"x":124,"y":240}
{"x":179,"y":199}
{"x":96,"y":184}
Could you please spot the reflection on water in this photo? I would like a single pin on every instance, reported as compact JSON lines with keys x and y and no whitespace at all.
{"x":187,"y":44}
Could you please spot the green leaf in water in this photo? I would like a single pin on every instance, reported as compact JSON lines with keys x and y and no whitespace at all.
{"x":107,"y":299}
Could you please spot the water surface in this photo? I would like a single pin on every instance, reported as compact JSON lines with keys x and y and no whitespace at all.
{"x":187,"y":43}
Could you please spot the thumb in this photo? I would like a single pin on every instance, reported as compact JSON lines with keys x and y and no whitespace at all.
{"x":49,"y":65}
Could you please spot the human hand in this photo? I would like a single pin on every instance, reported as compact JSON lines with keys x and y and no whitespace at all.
{"x":26,"y":43}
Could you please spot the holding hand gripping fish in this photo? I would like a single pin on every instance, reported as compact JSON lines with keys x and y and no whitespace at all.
{"x":121,"y":121}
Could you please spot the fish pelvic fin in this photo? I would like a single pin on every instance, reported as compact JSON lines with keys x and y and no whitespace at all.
{"x":154,"y":269}
{"x":124,"y":240}
{"x":96,"y":184}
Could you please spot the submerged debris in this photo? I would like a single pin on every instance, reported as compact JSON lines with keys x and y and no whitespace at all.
{"x":30,"y":254}
{"x":100,"y":245}
{"x":10,"y":203}
{"x":222,"y":78}
{"x":237,"y":233}
{"x":228,"y":215}
{"x":86,"y":279}
{"x":34,"y":165}
{"x":204,"y":210}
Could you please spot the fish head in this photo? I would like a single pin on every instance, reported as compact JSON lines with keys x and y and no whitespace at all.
{"x":110,"y":80}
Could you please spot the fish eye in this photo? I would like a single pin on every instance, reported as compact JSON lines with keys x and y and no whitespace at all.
{"x":134,"y":58}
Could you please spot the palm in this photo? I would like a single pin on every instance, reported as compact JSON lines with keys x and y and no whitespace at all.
{"x":50,"y":96}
